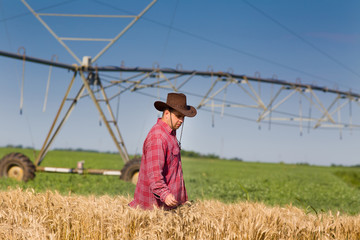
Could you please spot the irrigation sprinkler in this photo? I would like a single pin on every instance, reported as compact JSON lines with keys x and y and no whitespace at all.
{"x":20,"y":167}
{"x":267,"y":108}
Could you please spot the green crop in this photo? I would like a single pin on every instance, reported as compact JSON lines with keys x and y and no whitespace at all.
{"x":313,"y":188}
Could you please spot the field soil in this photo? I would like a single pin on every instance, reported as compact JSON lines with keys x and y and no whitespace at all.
{"x":25,"y":214}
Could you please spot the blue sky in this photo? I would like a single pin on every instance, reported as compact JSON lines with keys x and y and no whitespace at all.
{"x":315,"y":41}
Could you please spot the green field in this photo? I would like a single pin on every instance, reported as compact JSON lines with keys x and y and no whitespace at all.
{"x":313,"y":188}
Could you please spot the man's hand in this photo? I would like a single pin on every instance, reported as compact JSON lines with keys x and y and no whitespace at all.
{"x":171,"y":201}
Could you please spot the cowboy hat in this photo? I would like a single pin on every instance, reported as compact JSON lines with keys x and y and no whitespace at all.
{"x":176,"y":101}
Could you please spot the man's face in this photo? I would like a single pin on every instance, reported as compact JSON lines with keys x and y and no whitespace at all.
{"x":174,"y":119}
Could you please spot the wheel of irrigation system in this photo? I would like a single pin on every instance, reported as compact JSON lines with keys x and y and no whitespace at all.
{"x":17,"y":166}
{"x":130,"y":171}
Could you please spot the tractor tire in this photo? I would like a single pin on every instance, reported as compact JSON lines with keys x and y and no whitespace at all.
{"x":130,"y":171}
{"x":17,"y":166}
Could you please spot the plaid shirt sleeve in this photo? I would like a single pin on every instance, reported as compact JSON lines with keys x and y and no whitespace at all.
{"x":155,"y":154}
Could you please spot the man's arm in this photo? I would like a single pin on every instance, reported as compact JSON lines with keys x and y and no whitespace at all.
{"x":155,"y":158}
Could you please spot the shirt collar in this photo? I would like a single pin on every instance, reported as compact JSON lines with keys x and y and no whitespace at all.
{"x":167,"y":128}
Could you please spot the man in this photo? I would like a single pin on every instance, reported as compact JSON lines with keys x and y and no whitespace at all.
{"x":161,"y":183}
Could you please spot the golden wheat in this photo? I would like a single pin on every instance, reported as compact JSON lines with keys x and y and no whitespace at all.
{"x":25,"y":214}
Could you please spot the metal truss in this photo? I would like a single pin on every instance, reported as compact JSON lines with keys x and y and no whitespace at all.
{"x":327,"y":108}
{"x":271,"y":100}
{"x":334,"y":111}
{"x":250,"y":98}
{"x":110,"y":121}
{"x":110,"y":41}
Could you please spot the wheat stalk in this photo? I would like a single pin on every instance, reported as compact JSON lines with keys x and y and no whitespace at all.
{"x":25,"y":214}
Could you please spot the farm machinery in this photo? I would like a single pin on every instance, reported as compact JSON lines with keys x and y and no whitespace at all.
{"x":267,"y":107}
{"x":18,"y":165}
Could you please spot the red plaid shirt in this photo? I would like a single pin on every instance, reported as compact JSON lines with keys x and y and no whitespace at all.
{"x":160,"y":169}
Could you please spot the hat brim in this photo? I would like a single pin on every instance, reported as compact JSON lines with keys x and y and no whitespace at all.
{"x":189,"y":112}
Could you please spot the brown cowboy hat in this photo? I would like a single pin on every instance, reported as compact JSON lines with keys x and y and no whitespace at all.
{"x":176,"y":101}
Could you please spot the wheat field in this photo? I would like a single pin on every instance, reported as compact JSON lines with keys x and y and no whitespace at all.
{"x":25,"y":214}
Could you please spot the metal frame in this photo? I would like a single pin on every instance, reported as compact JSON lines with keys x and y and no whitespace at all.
{"x":116,"y":136}
{"x":111,"y":123}
{"x":175,"y":80}
{"x":111,"y":41}
{"x":118,"y":140}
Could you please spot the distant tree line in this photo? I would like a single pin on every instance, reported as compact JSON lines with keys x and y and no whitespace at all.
{"x":17,"y":146}
{"x":184,"y":153}
{"x":193,"y":154}
{"x":76,"y":150}
{"x":340,"y":165}
{"x":56,"y":149}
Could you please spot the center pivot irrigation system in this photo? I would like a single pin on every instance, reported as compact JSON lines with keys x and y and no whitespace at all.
{"x":238,"y":92}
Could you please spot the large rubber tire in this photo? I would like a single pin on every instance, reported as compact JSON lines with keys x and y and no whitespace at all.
{"x":17,"y":166}
{"x":131,"y":170}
